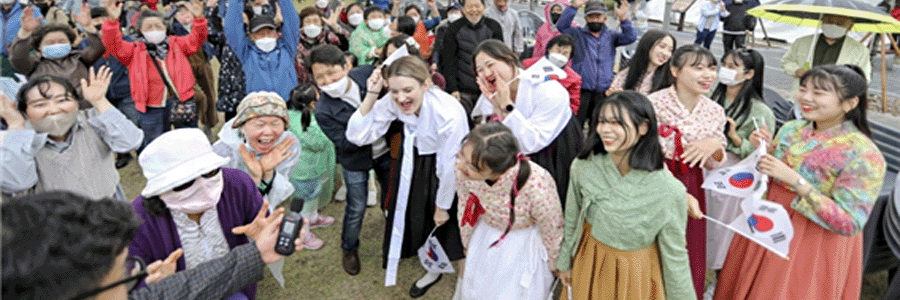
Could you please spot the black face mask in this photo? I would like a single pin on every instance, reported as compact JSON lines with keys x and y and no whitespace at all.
{"x":44,"y":7}
{"x":554,"y":17}
{"x":98,"y":26}
{"x":595,"y":26}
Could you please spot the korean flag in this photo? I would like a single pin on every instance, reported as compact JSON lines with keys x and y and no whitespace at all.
{"x":433,"y":257}
{"x":740,"y":180}
{"x":541,"y":71}
{"x":766,"y":223}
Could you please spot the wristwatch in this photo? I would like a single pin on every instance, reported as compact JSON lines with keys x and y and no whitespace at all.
{"x":509,"y":108}
{"x":800,"y":182}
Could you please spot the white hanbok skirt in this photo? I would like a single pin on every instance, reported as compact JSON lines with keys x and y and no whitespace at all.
{"x":516,"y":268}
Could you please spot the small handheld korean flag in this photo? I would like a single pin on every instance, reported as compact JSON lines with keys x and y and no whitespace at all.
{"x":541,"y":70}
{"x":400,"y":52}
{"x":740,"y":180}
{"x":766,"y":223}
{"x":433,"y":257}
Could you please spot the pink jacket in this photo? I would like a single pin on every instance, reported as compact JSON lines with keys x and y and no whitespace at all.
{"x":548,"y":30}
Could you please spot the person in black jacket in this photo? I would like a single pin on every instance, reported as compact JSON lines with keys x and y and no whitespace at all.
{"x":38,"y":236}
{"x":737,"y":24}
{"x":343,"y":89}
{"x":459,"y":43}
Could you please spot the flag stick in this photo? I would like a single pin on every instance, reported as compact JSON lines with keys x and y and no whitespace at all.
{"x":748,"y":237}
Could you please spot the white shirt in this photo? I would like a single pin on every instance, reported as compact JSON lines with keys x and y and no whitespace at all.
{"x":201,"y":242}
{"x":540,"y":115}
{"x":439,"y":129}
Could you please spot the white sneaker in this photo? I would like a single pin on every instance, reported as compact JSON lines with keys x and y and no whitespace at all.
{"x":341,"y":194}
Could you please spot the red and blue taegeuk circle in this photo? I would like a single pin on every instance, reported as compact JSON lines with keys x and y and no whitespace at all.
{"x":741,"y":180}
{"x":760,"y":223}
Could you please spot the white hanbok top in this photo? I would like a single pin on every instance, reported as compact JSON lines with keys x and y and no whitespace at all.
{"x":540,"y":115}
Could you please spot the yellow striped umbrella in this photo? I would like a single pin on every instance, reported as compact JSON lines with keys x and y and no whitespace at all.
{"x":867,"y":18}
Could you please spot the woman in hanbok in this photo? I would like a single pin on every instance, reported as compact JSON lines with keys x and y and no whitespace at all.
{"x":740,"y":92}
{"x":511,"y":220}
{"x":626,"y":214}
{"x":537,"y":113}
{"x":434,"y":127}
{"x":691,"y":130}
{"x":827,"y":174}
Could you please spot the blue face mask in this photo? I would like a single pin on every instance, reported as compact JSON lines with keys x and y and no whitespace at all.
{"x":56,"y":51}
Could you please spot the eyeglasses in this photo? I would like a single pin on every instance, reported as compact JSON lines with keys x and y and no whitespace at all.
{"x":139,"y":272}
{"x":188,"y":184}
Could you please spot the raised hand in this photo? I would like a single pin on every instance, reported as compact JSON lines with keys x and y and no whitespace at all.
{"x":95,"y":90}
{"x":212,"y":3}
{"x":196,"y":8}
{"x":83,"y":17}
{"x":114,"y":9}
{"x":622,"y":10}
{"x":282,"y":151}
{"x":14,"y":119}
{"x":253,"y":229}
{"x":375,"y":82}
{"x":578,"y":3}
{"x":254,"y":169}
{"x":332,"y":20}
{"x":29,"y":22}
{"x":160,"y":269}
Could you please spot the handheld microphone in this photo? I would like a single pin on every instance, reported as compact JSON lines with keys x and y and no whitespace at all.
{"x":290,"y":228}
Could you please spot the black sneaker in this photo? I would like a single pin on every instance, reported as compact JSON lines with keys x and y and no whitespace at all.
{"x":122,"y":160}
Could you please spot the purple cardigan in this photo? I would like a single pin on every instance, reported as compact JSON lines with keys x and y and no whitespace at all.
{"x":157,"y":237}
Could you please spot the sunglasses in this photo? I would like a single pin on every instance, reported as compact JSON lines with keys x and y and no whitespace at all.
{"x":188,"y":184}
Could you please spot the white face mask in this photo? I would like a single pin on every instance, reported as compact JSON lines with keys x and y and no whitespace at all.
{"x":257,"y":10}
{"x":727,"y":77}
{"x":154,"y":37}
{"x":375,"y":24}
{"x":337,"y":88}
{"x":558,"y":59}
{"x":355,"y":19}
{"x":321,"y":3}
{"x":7,"y":2}
{"x":201,"y":196}
{"x":56,"y":125}
{"x":387,"y":32}
{"x":453,"y":17}
{"x":266,"y":44}
{"x":312,"y":31}
{"x":832,"y":31}
{"x":415,"y":19}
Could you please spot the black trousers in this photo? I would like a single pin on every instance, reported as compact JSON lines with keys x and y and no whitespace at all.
{"x":733,"y":41}
{"x":589,"y":101}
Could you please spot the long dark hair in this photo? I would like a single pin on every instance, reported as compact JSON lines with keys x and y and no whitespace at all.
{"x":647,"y":153}
{"x":495,"y":147}
{"x":847,"y":81}
{"x":302,"y":97}
{"x":693,"y":55}
{"x":751,"y":90}
{"x":638,"y":64}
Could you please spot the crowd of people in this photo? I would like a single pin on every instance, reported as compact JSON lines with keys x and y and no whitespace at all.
{"x":590,"y":176}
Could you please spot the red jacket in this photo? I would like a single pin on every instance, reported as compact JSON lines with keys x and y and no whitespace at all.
{"x":572,"y":82}
{"x":147,"y":87}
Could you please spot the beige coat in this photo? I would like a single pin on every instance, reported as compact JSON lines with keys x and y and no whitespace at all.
{"x":852,"y":52}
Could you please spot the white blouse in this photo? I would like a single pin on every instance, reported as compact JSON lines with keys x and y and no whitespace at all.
{"x":201,"y":242}
{"x":439,"y":129}
{"x":540,"y":115}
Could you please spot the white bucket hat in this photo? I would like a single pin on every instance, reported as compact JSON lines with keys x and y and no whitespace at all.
{"x":176,"y":157}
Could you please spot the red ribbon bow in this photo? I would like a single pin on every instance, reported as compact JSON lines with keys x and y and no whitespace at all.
{"x":473,"y":211}
{"x":667,"y":131}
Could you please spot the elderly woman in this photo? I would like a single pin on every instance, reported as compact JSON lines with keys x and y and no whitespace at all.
{"x":192,"y":203}
{"x":258,"y":142}
{"x":64,"y":148}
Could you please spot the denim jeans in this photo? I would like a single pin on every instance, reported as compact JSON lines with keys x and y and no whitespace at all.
{"x":705,"y":37}
{"x":308,"y":190}
{"x":126,"y":106}
{"x":154,"y":123}
{"x":357,"y":194}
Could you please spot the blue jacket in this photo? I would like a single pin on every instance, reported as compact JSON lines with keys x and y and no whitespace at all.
{"x":593,"y":57}
{"x":332,"y":115}
{"x":10,"y":23}
{"x":273,"y":71}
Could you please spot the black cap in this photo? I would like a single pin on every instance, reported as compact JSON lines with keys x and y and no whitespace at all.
{"x":261,"y":21}
{"x":594,"y":7}
{"x":97,"y":12}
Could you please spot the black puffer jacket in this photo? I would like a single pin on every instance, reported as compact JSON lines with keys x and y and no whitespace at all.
{"x":456,"y":56}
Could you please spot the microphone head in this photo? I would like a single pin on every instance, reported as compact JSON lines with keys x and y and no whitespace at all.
{"x":297,"y":204}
